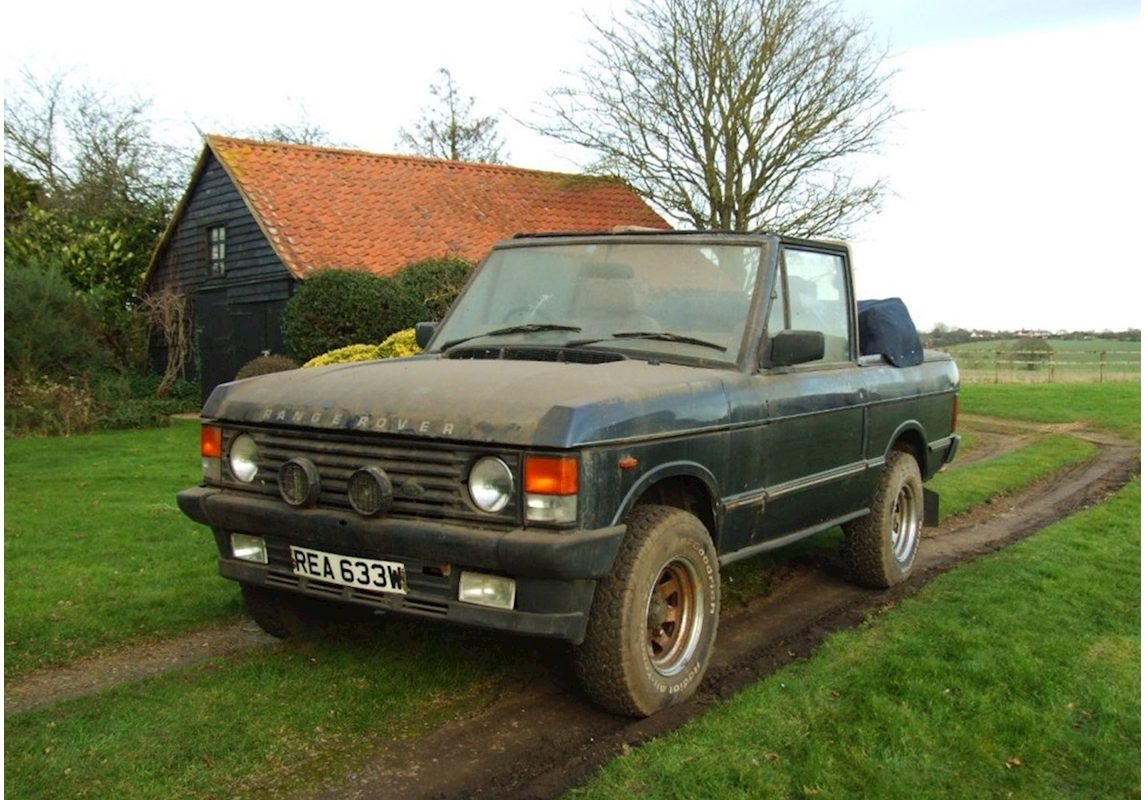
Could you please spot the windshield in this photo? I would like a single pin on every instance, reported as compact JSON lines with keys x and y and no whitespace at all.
{"x":695,"y":297}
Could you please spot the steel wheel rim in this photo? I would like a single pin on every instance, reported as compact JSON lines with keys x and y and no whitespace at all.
{"x":906,"y":524}
{"x":673,"y":617}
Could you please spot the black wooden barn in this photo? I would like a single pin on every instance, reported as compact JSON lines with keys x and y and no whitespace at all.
{"x":259,"y":217}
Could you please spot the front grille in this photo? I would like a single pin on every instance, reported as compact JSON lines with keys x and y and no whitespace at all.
{"x":427,"y":480}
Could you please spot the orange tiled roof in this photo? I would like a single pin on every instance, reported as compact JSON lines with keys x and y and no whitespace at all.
{"x":323,"y":207}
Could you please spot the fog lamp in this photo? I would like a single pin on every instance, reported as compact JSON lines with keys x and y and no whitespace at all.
{"x":299,"y":482}
{"x":486,"y":590}
{"x":249,"y":548}
{"x":369,"y":491}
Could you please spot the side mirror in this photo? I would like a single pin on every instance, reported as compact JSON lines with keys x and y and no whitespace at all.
{"x":424,"y":332}
{"x":796,"y":347}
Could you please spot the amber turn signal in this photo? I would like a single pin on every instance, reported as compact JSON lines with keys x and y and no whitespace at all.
{"x":551,"y":475}
{"x":211,"y":442}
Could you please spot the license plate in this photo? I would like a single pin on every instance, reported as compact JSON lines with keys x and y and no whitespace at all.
{"x":360,"y":573}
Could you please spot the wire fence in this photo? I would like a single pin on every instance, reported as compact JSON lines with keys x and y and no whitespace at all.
{"x":1044,"y":366}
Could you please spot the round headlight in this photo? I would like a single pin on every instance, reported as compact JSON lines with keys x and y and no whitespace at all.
{"x":491,"y":484}
{"x":242,"y":458}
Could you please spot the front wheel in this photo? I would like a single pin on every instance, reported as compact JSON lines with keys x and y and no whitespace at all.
{"x":880,"y":548}
{"x":654,"y":618}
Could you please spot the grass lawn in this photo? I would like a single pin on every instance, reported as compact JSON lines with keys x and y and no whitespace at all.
{"x":273,"y":722}
{"x":310,"y":708}
{"x":96,"y":553}
{"x":1113,"y":407}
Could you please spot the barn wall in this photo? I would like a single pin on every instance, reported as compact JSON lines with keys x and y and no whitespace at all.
{"x":237,"y":315}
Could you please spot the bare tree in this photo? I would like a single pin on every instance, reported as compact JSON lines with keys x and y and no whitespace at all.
{"x":104,"y":187}
{"x":303,"y":132}
{"x":90,"y":151}
{"x":449,"y":129}
{"x":733,"y":114}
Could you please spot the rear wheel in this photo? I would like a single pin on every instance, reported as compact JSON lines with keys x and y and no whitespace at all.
{"x":283,"y":614}
{"x":654,"y":618}
{"x":880,"y":548}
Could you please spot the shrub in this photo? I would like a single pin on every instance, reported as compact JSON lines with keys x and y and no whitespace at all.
{"x":265,"y":365}
{"x":49,"y":330}
{"x":46,"y":407}
{"x":42,"y":406}
{"x":1029,"y":353}
{"x":344,"y":355}
{"x":336,"y":308}
{"x":397,"y":345}
{"x":430,"y":287}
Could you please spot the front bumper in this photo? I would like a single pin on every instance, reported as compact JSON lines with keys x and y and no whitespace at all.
{"x":555,"y":572}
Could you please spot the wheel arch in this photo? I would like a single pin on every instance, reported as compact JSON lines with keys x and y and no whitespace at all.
{"x":684,"y":484}
{"x":910,"y":438}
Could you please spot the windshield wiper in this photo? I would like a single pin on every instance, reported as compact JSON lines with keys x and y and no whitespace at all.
{"x":531,"y":328}
{"x":659,"y":336}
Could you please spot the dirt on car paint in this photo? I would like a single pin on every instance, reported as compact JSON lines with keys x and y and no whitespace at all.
{"x":546,"y":738}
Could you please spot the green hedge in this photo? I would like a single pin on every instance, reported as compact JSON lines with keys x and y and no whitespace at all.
{"x":431,"y":286}
{"x":337,"y":308}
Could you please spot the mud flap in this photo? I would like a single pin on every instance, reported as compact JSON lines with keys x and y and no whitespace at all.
{"x":932,"y":509}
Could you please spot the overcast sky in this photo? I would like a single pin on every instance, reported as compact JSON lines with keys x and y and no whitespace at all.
{"x":1017,"y":169}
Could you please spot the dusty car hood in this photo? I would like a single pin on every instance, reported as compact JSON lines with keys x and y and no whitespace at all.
{"x":527,"y":403}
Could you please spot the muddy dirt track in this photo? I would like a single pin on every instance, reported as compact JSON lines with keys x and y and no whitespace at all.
{"x":546,"y":738}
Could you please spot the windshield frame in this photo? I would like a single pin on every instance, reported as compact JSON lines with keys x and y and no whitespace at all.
{"x":742,"y":354}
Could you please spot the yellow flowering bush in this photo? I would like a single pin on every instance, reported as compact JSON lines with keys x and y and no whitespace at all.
{"x":397,"y":345}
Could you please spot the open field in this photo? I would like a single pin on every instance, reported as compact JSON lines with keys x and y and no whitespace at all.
{"x":1051,"y":361}
{"x":321,"y":718}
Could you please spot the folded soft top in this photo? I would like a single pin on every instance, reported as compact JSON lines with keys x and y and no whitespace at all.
{"x":887,"y":330}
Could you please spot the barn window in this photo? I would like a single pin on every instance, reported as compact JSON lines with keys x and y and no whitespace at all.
{"x":217,"y":249}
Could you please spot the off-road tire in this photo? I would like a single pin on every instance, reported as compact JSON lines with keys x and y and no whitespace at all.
{"x":654,"y":618}
{"x":285,"y":615}
{"x":880,"y":548}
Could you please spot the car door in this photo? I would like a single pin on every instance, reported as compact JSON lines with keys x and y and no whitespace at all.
{"x":812,"y":443}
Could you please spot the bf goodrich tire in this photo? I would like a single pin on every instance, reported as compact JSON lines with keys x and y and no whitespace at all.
{"x":654,"y":618}
{"x":880,"y":548}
